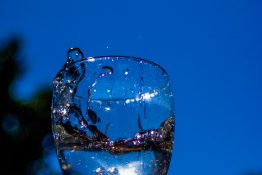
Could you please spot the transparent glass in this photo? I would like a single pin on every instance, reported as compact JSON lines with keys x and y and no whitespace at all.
{"x":112,"y":115}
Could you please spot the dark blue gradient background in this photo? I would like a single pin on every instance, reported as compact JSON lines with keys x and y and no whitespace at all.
{"x":212,"y":51}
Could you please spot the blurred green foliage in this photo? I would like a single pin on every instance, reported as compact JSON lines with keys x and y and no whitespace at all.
{"x":23,"y":125}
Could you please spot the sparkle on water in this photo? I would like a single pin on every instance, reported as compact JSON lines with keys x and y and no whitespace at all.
{"x":112,"y":115}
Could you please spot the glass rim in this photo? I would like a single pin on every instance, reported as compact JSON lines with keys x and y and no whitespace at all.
{"x":119,"y":57}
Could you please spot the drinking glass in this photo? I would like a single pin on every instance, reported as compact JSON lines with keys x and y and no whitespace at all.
{"x":112,"y":115}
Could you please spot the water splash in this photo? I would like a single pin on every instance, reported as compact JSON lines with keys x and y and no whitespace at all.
{"x":76,"y":123}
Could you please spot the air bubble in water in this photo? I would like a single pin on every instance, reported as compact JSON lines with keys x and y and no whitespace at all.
{"x":107,"y":70}
{"x":125,"y":73}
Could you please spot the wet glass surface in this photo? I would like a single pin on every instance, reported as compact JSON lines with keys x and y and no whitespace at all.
{"x":112,"y":115}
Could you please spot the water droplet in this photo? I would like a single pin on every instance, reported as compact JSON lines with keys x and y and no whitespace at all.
{"x":126,"y":71}
{"x":65,"y":119}
{"x":100,"y":171}
{"x":63,"y":112}
{"x":112,"y":171}
{"x":66,"y":166}
{"x":74,"y":54}
{"x":54,"y":111}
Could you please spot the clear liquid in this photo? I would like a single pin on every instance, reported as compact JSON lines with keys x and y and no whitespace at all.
{"x":149,"y":152}
{"x":104,"y":163}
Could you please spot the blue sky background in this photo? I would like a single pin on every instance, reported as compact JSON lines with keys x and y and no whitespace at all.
{"x":212,"y":51}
